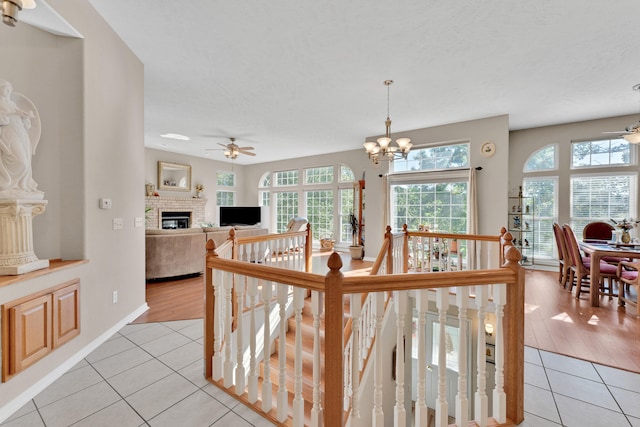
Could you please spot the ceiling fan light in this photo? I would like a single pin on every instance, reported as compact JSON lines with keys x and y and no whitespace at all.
{"x":633,"y":138}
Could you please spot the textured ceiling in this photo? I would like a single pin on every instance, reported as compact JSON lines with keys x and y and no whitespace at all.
{"x":298,"y":78}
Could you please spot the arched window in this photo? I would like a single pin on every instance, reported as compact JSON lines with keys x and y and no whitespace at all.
{"x":544,"y":159}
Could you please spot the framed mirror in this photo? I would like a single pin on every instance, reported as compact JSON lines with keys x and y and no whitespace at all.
{"x":173,"y":176}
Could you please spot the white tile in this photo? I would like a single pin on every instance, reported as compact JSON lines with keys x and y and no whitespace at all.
{"x":157,"y":397}
{"x":26,"y":408}
{"x":619,"y":378}
{"x":197,"y":409}
{"x":177,"y":325}
{"x":531,"y":420}
{"x":79,"y":365}
{"x":635,"y":422}
{"x":536,"y":375}
{"x":628,"y":401}
{"x":532,"y":355}
{"x":139,"y":377}
{"x":80,"y":405}
{"x":134,"y":327}
{"x":121,"y":362}
{"x":32,"y":419}
{"x":165,"y":343}
{"x":540,"y":402}
{"x":574,"y":387}
{"x":156,"y":330}
{"x":182,"y":356}
{"x":195,"y":373}
{"x":119,"y":414}
{"x":252,"y":417}
{"x":569,"y":365}
{"x":231,"y":419}
{"x":578,"y":413}
{"x":69,"y":383}
{"x":109,"y":348}
{"x":222,"y":396}
{"x":195,"y":331}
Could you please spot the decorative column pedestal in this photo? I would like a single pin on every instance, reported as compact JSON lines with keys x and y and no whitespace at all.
{"x":16,"y":236}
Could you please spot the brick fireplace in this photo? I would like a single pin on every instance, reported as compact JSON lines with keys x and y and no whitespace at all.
{"x":191,"y":207}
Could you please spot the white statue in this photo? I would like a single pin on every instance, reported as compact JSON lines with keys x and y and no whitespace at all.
{"x":19,"y":137}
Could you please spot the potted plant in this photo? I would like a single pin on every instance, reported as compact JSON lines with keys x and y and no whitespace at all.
{"x":356,"y":249}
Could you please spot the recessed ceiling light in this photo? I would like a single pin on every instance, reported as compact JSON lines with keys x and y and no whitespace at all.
{"x":176,"y":136}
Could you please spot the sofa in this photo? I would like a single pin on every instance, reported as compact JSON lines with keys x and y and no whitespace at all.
{"x":181,"y":252}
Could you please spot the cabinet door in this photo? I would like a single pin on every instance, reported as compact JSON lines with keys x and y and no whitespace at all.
{"x":66,"y":314}
{"x":31,"y":332}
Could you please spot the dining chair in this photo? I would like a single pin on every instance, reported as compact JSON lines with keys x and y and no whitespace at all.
{"x":581,"y":266}
{"x":564,"y":261}
{"x":597,"y":230}
{"x":628,"y":277}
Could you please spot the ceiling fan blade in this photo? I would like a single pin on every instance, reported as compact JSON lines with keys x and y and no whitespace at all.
{"x":618,"y":132}
{"x":248,"y":153}
{"x":246,"y":148}
{"x":223,"y":145}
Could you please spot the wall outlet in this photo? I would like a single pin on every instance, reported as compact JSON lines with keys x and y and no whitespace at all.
{"x":138,"y":221}
{"x":114,"y":297}
{"x":118,"y":223}
{"x":105,"y":203}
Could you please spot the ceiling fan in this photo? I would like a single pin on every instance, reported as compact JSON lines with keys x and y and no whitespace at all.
{"x":233,"y":150}
{"x":632,"y":132}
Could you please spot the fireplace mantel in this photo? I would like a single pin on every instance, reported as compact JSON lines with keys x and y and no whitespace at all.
{"x":157,"y":204}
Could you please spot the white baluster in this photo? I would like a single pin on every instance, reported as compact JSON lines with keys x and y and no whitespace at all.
{"x":462,"y":400}
{"x":283,"y":291}
{"x":267,"y":402}
{"x":422,"y":305}
{"x":442,"y":407}
{"x":346,"y":374}
{"x":240,"y":370}
{"x":228,"y":363}
{"x":298,"y":401}
{"x":252,"y":291}
{"x":400,"y":304}
{"x":218,"y":293}
{"x":377,"y":416}
{"x":481,"y":401}
{"x":317,"y":303}
{"x":499,"y":396}
{"x":356,"y":311}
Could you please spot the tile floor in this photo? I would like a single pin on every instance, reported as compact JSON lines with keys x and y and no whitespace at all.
{"x":151,"y":374}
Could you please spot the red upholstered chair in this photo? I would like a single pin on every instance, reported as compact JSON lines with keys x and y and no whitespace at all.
{"x":597,"y":231}
{"x":628,"y":279}
{"x":581,"y":266}
{"x":564,"y":260}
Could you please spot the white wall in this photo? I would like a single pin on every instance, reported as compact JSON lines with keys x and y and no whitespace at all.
{"x":89,"y":93}
{"x":523,"y":143}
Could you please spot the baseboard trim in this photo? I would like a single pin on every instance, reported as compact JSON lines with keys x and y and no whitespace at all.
{"x":19,"y":401}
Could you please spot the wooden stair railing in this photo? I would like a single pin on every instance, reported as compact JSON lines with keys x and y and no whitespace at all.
{"x":297,"y":408}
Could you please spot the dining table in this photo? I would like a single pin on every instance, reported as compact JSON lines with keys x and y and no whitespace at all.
{"x":599,"y":249}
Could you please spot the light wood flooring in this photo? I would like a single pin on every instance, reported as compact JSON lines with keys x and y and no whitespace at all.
{"x":555,"y":320}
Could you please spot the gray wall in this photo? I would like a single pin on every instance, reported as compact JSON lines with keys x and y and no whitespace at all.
{"x":89,"y":94}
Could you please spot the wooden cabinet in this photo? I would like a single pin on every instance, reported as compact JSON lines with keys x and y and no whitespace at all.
{"x":34,"y":325}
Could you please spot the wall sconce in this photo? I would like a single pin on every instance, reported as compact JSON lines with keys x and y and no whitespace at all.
{"x":10,"y":9}
{"x":488,"y":329}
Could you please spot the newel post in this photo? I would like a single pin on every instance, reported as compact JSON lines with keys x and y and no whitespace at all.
{"x":514,"y":338}
{"x":389,"y":237}
{"x":333,"y":352}
{"x":209,"y":306}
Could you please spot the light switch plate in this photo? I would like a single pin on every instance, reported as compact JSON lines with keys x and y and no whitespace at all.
{"x":138,"y":221}
{"x":105,"y":203}
{"x":118,"y":223}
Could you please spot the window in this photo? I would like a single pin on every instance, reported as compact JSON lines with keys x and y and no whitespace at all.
{"x":601,"y":197}
{"x":322,"y":175}
{"x":542,"y":160}
{"x":544,"y":192}
{"x":225,"y":198}
{"x":285,"y":178}
{"x":226,"y":179}
{"x":434,"y":158}
{"x":346,"y":208}
{"x":320,"y":212}
{"x":346,"y":174}
{"x":265,"y":198}
{"x":286,"y":207}
{"x":438,"y":205}
{"x":607,"y":152}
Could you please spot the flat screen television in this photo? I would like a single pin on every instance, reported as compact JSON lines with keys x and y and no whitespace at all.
{"x":239,"y":215}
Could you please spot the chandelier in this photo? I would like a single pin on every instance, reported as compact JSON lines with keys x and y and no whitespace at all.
{"x":10,"y":9}
{"x":232,"y":151}
{"x":382,"y":148}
